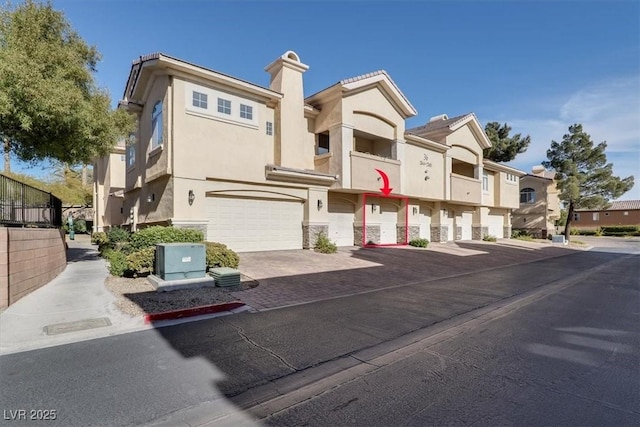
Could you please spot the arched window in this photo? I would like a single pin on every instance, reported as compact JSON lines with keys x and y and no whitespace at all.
{"x":527,"y":195}
{"x":156,"y":125}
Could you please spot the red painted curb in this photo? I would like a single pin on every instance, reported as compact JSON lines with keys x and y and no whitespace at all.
{"x":190,"y":312}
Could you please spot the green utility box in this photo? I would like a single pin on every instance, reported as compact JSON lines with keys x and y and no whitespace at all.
{"x":175,"y":261}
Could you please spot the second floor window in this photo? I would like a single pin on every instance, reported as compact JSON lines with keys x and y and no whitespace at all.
{"x":199,"y":100}
{"x":323,"y":143}
{"x":485,"y":181}
{"x":246,"y":112}
{"x":269,"y":128}
{"x":131,"y":150}
{"x":527,"y":195}
{"x":224,"y":106}
{"x":156,"y":125}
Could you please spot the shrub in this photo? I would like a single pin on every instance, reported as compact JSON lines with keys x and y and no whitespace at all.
{"x":141,"y":262}
{"x":599,"y":231}
{"x":218,"y":255}
{"x":117,"y":262}
{"x":489,"y":238}
{"x":99,"y":238}
{"x":419,"y":243}
{"x":80,"y":226}
{"x":151,"y":236}
{"x":621,"y":228}
{"x":117,"y":234}
{"x":324,"y":245}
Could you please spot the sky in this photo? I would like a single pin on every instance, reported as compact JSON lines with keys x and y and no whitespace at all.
{"x":538,"y":66}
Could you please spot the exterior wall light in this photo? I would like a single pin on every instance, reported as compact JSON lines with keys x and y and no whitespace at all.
{"x":151,"y":197}
{"x":373,"y":208}
{"x":320,"y":204}
{"x":415,"y":210}
{"x":192,"y":197}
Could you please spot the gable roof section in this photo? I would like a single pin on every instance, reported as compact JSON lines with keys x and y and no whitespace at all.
{"x":162,"y":61}
{"x":378,"y":78}
{"x":441,"y":126}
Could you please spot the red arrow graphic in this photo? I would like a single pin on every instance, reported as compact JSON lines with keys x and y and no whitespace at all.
{"x":385,"y":190}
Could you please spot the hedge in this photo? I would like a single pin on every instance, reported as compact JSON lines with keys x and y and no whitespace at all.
{"x":149,"y":237}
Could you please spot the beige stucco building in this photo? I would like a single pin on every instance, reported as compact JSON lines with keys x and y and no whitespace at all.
{"x":263,"y":168}
{"x":539,"y":203}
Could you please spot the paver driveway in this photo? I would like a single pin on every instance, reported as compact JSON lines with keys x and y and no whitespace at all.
{"x":301,"y":276}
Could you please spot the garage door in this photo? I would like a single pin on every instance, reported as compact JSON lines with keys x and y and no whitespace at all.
{"x":254,"y":224}
{"x":388,"y":222}
{"x":449,"y":222}
{"x":466,"y":221}
{"x":495,"y":226}
{"x":425,"y":222}
{"x":341,"y":215}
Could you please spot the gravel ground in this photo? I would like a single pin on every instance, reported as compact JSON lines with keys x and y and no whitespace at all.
{"x":137,"y":297}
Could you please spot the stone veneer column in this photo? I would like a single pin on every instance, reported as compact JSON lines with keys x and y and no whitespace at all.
{"x":439,"y":233}
{"x":506,"y":232}
{"x":479,"y":232}
{"x":310,"y":233}
{"x":414,"y":233}
{"x":373,"y":234}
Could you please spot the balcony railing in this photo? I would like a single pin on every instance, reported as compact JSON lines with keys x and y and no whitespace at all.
{"x":364,"y":175}
{"x":24,"y":205}
{"x":465,"y":189}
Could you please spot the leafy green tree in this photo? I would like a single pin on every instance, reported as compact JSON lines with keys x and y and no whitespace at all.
{"x":584,"y":177}
{"x":504,"y":148}
{"x":50,"y":105}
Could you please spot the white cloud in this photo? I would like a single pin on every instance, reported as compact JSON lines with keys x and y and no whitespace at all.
{"x":609,"y":111}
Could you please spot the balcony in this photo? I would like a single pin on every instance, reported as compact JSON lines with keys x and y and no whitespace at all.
{"x":465,"y":190}
{"x":364,"y":176}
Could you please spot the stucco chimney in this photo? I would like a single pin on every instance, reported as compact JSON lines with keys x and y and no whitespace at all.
{"x":538,"y":170}
{"x":290,"y":124}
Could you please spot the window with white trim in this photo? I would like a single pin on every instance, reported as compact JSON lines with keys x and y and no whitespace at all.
{"x":199,"y":100}
{"x":485,"y":181}
{"x":269,"y":128}
{"x":224,"y":106}
{"x":511,"y":177}
{"x":596,"y":216}
{"x":246,"y":112}
{"x":576,"y":216}
{"x":156,"y":125}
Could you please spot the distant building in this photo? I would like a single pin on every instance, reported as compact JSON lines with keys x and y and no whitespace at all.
{"x":625,"y":212}
{"x":539,"y":203}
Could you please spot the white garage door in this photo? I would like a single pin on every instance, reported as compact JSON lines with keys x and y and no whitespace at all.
{"x":341,"y":215}
{"x":466,"y":221}
{"x":253,"y":224}
{"x":388,"y":222}
{"x":495,"y":226}
{"x":425,"y":222}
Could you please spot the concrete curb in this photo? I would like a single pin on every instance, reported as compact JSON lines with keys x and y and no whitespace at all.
{"x":191,"y":312}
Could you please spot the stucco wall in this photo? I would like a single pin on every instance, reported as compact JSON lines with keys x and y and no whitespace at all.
{"x":424,"y":177}
{"x":29,"y":259}
{"x":206,"y":145}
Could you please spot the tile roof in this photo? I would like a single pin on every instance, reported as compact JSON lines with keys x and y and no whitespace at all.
{"x":438,"y":124}
{"x":364,"y":76}
{"x":621,"y":205}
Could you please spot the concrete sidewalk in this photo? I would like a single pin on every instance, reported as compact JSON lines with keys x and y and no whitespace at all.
{"x":75,"y":306}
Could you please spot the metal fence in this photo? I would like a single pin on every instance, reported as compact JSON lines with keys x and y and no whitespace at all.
{"x":24,"y":205}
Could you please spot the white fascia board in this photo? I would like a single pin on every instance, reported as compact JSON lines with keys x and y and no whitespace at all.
{"x":193,"y":70}
{"x":418,"y":140}
{"x":488,"y":164}
{"x":389,"y":87}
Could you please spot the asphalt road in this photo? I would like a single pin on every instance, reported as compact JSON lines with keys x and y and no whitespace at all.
{"x":555,"y":341}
